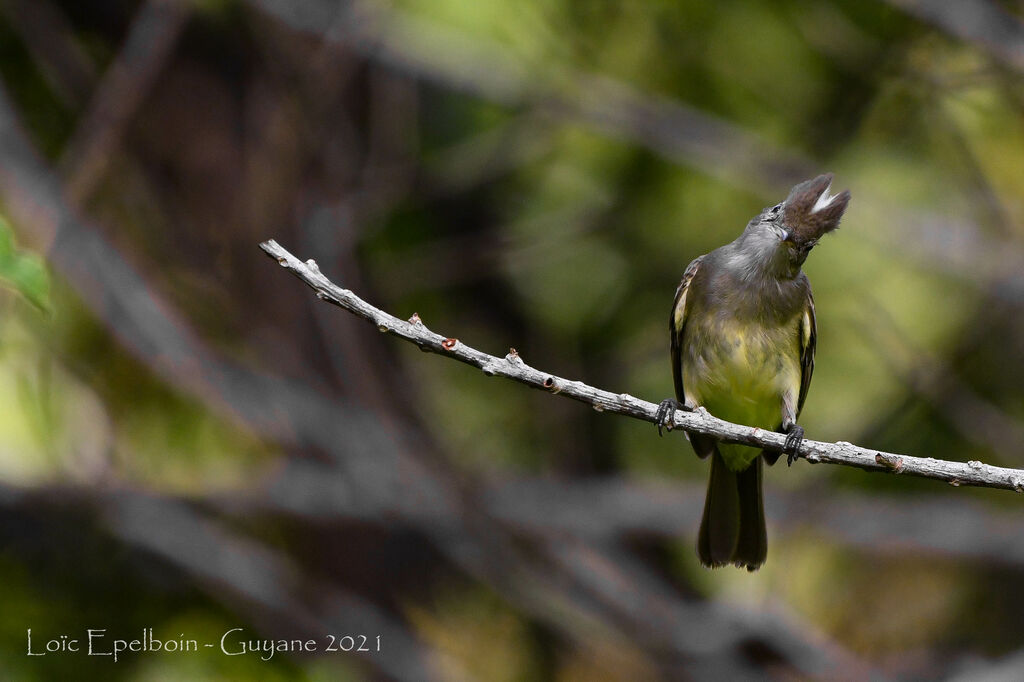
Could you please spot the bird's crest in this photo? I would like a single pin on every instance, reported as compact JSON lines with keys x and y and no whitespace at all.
{"x":811,"y":211}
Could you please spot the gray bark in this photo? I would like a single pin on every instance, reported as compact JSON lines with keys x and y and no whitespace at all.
{"x":512,"y":366}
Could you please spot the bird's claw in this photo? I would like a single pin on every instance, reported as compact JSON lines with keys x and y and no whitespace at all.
{"x":666,"y":411}
{"x":794,"y":436}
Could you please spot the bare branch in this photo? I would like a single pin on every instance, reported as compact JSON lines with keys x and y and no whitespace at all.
{"x":513,"y":367}
{"x":381,"y":460}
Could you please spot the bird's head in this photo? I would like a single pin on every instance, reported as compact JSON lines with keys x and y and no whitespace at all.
{"x":796,"y":225}
{"x":811,"y":211}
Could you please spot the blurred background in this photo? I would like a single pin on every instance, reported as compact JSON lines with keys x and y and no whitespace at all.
{"x":191,"y":442}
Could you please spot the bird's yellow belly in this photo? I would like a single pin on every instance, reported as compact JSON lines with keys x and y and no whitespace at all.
{"x":742,"y":377}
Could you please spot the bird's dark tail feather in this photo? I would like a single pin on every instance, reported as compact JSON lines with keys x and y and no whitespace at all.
{"x":732,"y":530}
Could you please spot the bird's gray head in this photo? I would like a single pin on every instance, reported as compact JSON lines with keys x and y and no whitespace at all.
{"x":778,"y":240}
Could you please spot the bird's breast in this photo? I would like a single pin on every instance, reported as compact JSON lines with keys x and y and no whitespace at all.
{"x":740,"y":370}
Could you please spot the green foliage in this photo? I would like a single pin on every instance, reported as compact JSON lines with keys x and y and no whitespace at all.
{"x":23,"y":271}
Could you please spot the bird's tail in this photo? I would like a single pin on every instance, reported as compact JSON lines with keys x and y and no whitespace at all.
{"x":732,"y":530}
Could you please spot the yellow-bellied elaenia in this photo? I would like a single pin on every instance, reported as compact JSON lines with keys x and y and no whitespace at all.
{"x":743,"y":340}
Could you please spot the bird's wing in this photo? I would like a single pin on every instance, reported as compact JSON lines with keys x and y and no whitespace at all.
{"x":677,"y":324}
{"x":808,"y":344}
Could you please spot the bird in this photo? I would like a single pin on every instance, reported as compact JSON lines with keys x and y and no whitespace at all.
{"x":743,"y":339}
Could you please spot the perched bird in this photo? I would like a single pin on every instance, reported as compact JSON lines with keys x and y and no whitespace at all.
{"x":743,"y":341}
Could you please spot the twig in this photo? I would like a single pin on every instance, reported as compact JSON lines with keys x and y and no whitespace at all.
{"x":513,"y":367}
{"x":382,"y":460}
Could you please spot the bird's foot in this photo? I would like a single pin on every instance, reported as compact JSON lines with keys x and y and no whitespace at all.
{"x":794,"y":435}
{"x":666,"y":410}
